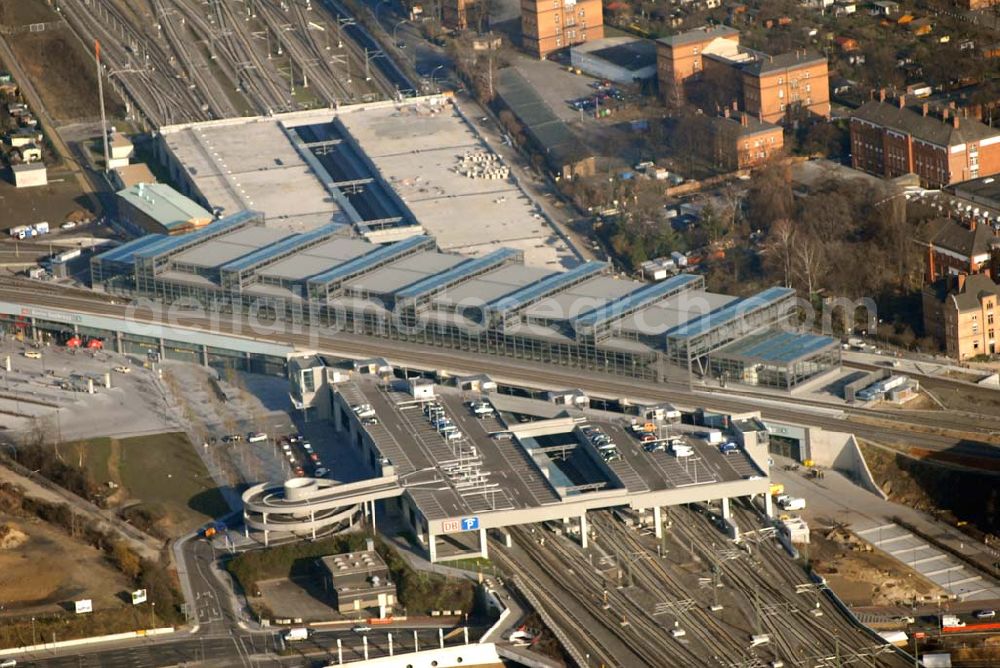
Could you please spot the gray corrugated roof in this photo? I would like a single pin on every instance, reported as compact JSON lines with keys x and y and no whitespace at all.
{"x":701,"y":34}
{"x":546,"y":129}
{"x":927,"y":128}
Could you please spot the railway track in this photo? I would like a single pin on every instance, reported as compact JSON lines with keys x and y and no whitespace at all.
{"x":620,"y":614}
{"x":135,"y":60}
{"x":568,"y":624}
{"x":771,"y":579}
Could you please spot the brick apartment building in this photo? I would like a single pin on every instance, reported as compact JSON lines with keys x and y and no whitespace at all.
{"x":741,"y":141}
{"x":890,"y":139}
{"x":765,"y":86}
{"x":772,"y":85}
{"x":680,"y":58}
{"x":964,"y":312}
{"x":550,"y":25}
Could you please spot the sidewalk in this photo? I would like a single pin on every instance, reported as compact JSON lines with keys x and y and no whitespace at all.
{"x":418,"y":562}
{"x":837,"y":499}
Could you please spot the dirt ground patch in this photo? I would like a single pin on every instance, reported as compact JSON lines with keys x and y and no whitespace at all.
{"x":961,"y":398}
{"x":22,"y":12}
{"x":64,"y":75}
{"x":862,"y":576}
{"x":53,"y":203}
{"x":34,"y":576}
{"x":952,"y":493}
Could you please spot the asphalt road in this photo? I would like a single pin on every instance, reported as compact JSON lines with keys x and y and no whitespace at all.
{"x":240,"y":650}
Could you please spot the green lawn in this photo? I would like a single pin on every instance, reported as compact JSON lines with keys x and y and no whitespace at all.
{"x":162,"y":471}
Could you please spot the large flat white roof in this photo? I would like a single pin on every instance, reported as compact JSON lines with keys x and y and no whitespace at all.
{"x":228,"y":247}
{"x":250,"y":163}
{"x":418,"y":150}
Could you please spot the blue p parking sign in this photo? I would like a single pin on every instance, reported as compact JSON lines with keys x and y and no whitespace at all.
{"x":470,"y":523}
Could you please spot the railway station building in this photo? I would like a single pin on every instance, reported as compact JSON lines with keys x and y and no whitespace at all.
{"x":329,"y":278}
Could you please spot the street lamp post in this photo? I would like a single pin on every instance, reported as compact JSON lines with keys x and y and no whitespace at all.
{"x":395,"y":28}
{"x":439,"y":67}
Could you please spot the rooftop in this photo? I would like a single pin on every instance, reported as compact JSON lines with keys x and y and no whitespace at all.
{"x":929,"y":128}
{"x":402,"y":273}
{"x":630,"y":53}
{"x":316,"y":260}
{"x":250,"y":163}
{"x":958,"y":238}
{"x":702,"y":34}
{"x":134,"y":174}
{"x":766,"y":64}
{"x":746,"y":125}
{"x":165,"y":205}
{"x":217,"y":252}
{"x":976,"y":288}
{"x":427,"y":155}
{"x":775,"y":346}
{"x":28,"y":167}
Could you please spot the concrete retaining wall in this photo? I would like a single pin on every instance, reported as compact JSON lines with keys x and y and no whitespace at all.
{"x":467,"y":655}
{"x":143,"y":633}
{"x":840,"y":451}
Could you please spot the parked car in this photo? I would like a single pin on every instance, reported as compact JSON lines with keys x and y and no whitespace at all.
{"x":321,"y":472}
{"x":122,"y":369}
{"x":985,"y":614}
{"x":256,"y":437}
{"x":33,"y":354}
{"x":361,"y":628}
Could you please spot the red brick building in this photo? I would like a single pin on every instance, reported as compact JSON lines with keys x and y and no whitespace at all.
{"x":550,"y":25}
{"x":742,"y":141}
{"x":890,"y":139}
{"x":767,"y":86}
{"x":961,"y":247}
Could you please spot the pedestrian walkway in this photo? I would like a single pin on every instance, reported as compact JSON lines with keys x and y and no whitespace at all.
{"x":942,"y":568}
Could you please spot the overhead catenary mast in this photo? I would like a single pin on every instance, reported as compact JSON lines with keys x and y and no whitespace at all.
{"x":100,"y":94}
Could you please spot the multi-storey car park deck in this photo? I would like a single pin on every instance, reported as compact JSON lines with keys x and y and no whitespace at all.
{"x":503,"y":470}
{"x":390,"y":169}
{"x":494,"y":304}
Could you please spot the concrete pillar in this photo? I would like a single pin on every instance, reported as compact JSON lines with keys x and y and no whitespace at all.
{"x":725,"y":507}
{"x":432,"y":553}
{"x":373,"y":517}
{"x":583,"y":530}
{"x":312,"y":521}
{"x":483,"y":545}
{"x":246,"y":528}
{"x":119,"y":344}
{"x":204,"y":355}
{"x":163,"y":350}
{"x":768,"y":505}
{"x":508,"y":539}
{"x":658,"y":521}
